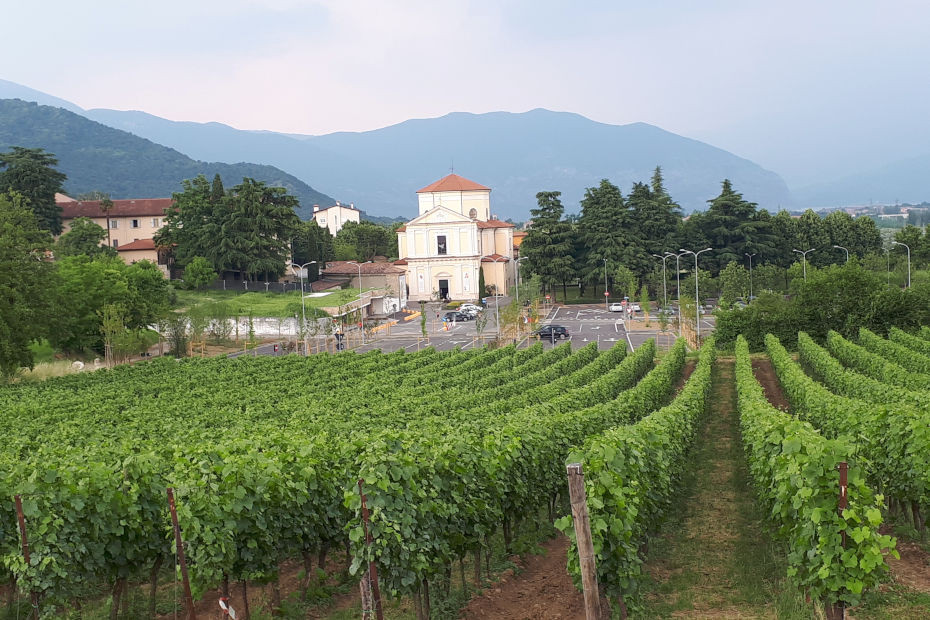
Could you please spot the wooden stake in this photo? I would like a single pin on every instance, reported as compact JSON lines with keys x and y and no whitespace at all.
{"x":188,"y":597}
{"x":365,"y":587}
{"x":586,"y":559}
{"x":372,"y":567}
{"x":25,"y":540}
{"x":836,"y":610}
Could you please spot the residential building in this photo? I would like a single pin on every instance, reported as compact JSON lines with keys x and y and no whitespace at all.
{"x":132,"y":223}
{"x":335,"y":217}
{"x":453,"y":237}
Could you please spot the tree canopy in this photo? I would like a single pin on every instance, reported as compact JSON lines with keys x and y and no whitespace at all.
{"x":32,"y":174}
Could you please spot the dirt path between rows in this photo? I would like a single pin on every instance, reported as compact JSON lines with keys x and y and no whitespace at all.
{"x":712,"y":559}
{"x":765,"y":374}
{"x":541,"y":590}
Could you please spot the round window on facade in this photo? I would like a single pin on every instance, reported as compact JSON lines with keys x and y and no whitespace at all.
{"x":473,"y":213}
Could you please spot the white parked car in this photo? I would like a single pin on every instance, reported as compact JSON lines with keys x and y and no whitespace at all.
{"x":471,"y":308}
{"x":616,"y":307}
{"x":636,"y":308}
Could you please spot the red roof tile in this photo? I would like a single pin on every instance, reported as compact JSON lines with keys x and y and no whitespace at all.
{"x":140,"y":244}
{"x":401,"y":261}
{"x":368,"y":269}
{"x":121,"y":208}
{"x":494,"y":258}
{"x":452,"y":183}
{"x":493,"y":224}
{"x":402,"y":228}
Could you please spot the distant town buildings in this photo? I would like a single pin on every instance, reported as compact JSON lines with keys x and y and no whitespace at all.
{"x":454,"y":241}
{"x":335,"y":217}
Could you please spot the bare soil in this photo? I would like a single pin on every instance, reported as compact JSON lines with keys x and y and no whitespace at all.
{"x":913,"y":569}
{"x":765,"y":374}
{"x":686,"y":371}
{"x":541,"y":590}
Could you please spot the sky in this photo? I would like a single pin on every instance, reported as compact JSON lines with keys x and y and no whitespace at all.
{"x":813,"y":90}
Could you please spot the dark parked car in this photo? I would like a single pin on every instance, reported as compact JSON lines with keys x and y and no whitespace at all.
{"x":552,"y":332}
{"x":456,"y":316}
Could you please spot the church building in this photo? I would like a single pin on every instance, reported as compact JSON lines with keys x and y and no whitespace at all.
{"x":453,"y":237}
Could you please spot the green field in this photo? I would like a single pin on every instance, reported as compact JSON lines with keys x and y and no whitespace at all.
{"x":265,"y":304}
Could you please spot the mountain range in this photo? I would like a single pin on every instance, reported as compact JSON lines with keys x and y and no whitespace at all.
{"x":516,"y":154}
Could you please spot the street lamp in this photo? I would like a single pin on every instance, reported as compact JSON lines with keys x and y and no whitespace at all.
{"x":750,"y":271}
{"x":908,"y":260}
{"x":360,"y":316}
{"x":497,"y":301}
{"x":677,"y":284}
{"x":804,"y":260}
{"x":516,"y":276}
{"x":606,"y":307}
{"x":697,"y":299}
{"x":303,"y":302}
{"x":664,"y":279}
{"x":839,"y":247}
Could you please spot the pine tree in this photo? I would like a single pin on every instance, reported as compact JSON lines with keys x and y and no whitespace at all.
{"x":602,"y":231}
{"x":548,"y":243}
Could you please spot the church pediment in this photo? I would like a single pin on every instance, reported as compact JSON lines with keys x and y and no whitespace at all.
{"x":439,"y":215}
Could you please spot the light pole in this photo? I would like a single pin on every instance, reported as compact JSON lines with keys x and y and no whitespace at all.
{"x":664,"y":279}
{"x":697,"y":299}
{"x":839,"y":247}
{"x":516,"y":276}
{"x":804,"y":260}
{"x":750,"y":272}
{"x":361,"y":318}
{"x":677,"y":284}
{"x":606,"y":307}
{"x":497,"y":300}
{"x":908,"y":260}
{"x":303,"y":302}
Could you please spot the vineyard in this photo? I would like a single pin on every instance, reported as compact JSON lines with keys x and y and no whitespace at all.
{"x":269,"y":458}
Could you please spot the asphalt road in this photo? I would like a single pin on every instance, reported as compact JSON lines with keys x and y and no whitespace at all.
{"x":585,"y":324}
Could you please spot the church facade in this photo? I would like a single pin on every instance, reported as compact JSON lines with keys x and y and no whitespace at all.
{"x":453,"y":241}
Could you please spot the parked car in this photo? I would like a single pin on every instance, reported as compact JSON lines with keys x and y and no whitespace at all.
{"x":636,"y":308}
{"x":456,"y":316}
{"x":616,"y":307}
{"x":552,"y":332}
{"x":470,"y":308}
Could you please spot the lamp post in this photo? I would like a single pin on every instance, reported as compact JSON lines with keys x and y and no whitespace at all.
{"x":606,"y":306}
{"x":750,"y":271}
{"x":697,"y":299}
{"x":516,"y":276}
{"x":804,"y":260}
{"x":908,"y":260}
{"x":664,"y":288}
{"x":677,"y":284}
{"x":303,"y":303}
{"x":497,"y":301}
{"x":360,"y":316}
{"x":839,"y":247}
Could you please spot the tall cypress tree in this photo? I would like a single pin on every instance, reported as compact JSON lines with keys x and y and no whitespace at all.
{"x":548,"y":243}
{"x":32,"y":174}
{"x":602,"y":231}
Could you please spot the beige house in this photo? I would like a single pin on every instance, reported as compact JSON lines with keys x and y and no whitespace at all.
{"x":453,"y":237}
{"x":132,"y":223}
{"x":335,"y":217}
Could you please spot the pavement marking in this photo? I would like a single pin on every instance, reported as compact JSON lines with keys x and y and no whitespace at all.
{"x":630,"y":342}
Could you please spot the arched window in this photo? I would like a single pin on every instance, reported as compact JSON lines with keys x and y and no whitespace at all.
{"x":473,"y":213}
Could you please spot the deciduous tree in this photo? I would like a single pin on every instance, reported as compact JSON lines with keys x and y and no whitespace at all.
{"x":32,"y":173}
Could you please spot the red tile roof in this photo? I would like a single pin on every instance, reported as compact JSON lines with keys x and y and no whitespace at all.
{"x":323,"y":285}
{"x":402,"y":228}
{"x":452,"y":183}
{"x":494,"y":258}
{"x":401,"y":261}
{"x":140,"y":244}
{"x":493,"y":224}
{"x":121,"y":208}
{"x":368,"y":269}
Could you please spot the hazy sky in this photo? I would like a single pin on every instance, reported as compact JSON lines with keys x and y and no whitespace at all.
{"x":810,"y":89}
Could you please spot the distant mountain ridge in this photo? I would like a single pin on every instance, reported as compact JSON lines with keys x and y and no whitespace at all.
{"x":902,"y":181}
{"x":516,"y":154}
{"x":97,"y":157}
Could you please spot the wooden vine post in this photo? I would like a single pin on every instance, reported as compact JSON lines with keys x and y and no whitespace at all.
{"x":372,"y":567}
{"x":586,"y":559}
{"x":34,"y":596}
{"x":188,"y":597}
{"x":836,"y":610}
